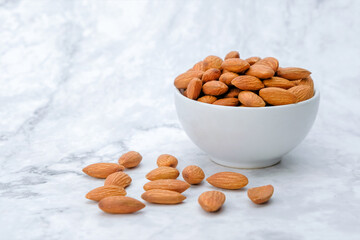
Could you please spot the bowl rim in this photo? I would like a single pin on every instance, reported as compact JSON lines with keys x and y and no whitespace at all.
{"x":314,"y":98}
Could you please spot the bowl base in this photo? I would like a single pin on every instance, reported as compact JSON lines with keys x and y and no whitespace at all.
{"x":247,"y":165}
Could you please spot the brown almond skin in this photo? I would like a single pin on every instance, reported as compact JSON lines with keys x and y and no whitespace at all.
{"x":193,"y":174}
{"x":167,"y":160}
{"x":235,"y":65}
{"x":278,"y":82}
{"x":228,"y":180}
{"x":167,"y":184}
{"x":231,"y":102}
{"x":260,"y":71}
{"x":260,"y":195}
{"x":199,"y":66}
{"x":207,"y":99}
{"x":211,"y":201}
{"x":228,"y":77}
{"x":252,"y":60}
{"x":250,"y":99}
{"x":245,"y":82}
{"x":302,"y":92}
{"x":232,"y":54}
{"x":120,"y":204}
{"x":130,"y":159}
{"x":163,"y":173}
{"x":194,"y":88}
{"x":161,"y":196}
{"x":307,"y":81}
{"x":105,"y":191}
{"x":232,"y":93}
{"x":102,"y":170}
{"x":271,"y":62}
{"x":120,"y":179}
{"x":277,"y":96}
{"x":182,"y":81}
{"x":293,"y":73}
{"x":214,"y":88}
{"x":211,"y":74}
{"x":212,"y":62}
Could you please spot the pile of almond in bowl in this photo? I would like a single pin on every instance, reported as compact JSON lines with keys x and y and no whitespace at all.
{"x":253,"y":82}
{"x":163,"y":186}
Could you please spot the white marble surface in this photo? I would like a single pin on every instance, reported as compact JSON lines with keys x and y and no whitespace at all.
{"x":84,"y":81}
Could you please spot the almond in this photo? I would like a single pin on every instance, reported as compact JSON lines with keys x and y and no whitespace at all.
{"x":119,"y":179}
{"x":194,"y":88}
{"x":212,"y":62}
{"x":199,"y":66}
{"x":193,"y":174}
{"x":207,"y":99}
{"x":232,"y":54}
{"x":167,"y":160}
{"x":260,"y":71}
{"x":278,"y":82}
{"x":211,"y":74}
{"x":232,"y":93}
{"x":227,"y":77}
{"x":271,"y":62}
{"x":302,"y":92}
{"x":235,"y":65}
{"x":211,"y":201}
{"x":245,"y":82}
{"x":120,"y":204}
{"x":182,"y":81}
{"x":307,"y":81}
{"x":163,"y":196}
{"x":105,"y":191}
{"x":130,"y":159}
{"x":293,"y":73}
{"x":228,"y":180}
{"x":250,"y":99}
{"x":167,"y":184}
{"x":163,"y":173}
{"x":260,"y":195}
{"x":277,"y":96}
{"x":102,"y":170}
{"x":227,"y":102}
{"x":252,"y":60}
{"x":214,"y":88}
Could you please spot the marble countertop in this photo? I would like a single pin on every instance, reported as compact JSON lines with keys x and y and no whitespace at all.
{"x":85,"y":81}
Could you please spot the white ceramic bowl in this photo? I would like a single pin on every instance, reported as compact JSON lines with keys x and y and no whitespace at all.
{"x":245,"y":137}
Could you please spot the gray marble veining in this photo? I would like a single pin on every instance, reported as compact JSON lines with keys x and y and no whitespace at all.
{"x":85,"y":81}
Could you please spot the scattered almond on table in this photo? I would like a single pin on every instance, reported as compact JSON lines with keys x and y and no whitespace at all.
{"x":120,"y":204}
{"x":164,"y":187}
{"x":102,"y":170}
{"x":120,"y":179}
{"x":130,"y":159}
{"x":222,"y":82}
{"x":163,"y":173}
{"x":167,"y":160}
{"x":193,"y":174}
{"x":162,"y":196}
{"x":105,"y":191}
{"x":167,"y":184}
{"x":260,"y":195}
{"x":228,"y":180}
{"x":211,"y":201}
